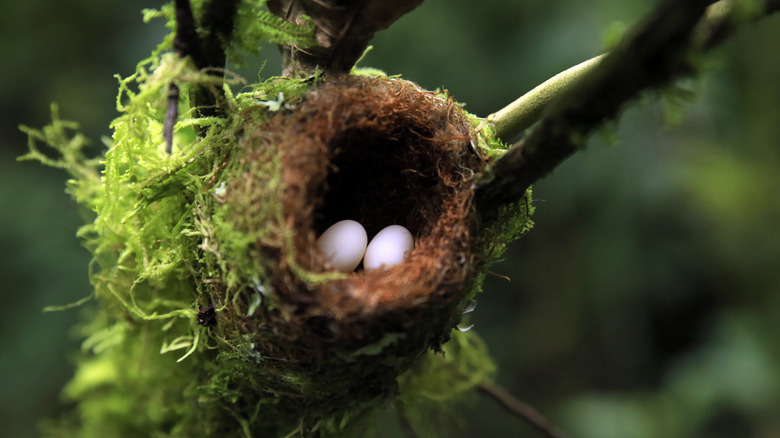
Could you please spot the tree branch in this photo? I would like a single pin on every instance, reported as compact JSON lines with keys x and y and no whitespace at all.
{"x":187,"y":42}
{"x":521,"y":409}
{"x":724,"y":17}
{"x":657,"y":52}
{"x":216,"y":29}
{"x":343,"y":30}
{"x":218,"y":23}
{"x":207,"y":53}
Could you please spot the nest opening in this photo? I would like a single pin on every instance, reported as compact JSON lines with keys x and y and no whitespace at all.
{"x":382,"y":152}
{"x":380,"y":182}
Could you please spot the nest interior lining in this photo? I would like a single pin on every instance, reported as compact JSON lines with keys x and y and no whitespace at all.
{"x":380,"y":151}
{"x":392,"y":154}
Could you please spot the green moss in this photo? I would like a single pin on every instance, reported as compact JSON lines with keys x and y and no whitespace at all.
{"x":463,"y":364}
{"x":154,"y":216}
{"x":167,"y":228}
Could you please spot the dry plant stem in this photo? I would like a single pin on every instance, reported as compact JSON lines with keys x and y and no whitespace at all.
{"x":521,"y":409}
{"x":654,"y":54}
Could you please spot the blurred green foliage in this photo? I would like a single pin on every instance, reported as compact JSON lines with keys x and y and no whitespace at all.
{"x":645,"y":302}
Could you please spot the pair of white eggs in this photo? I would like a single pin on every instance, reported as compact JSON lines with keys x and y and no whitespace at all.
{"x":345,"y":243}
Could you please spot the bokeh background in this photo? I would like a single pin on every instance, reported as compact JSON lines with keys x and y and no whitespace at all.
{"x":645,"y":302}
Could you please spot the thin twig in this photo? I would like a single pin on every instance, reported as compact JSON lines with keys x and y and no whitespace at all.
{"x":171,"y":116}
{"x":521,"y":409}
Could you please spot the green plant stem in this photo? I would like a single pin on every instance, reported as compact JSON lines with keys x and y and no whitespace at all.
{"x":527,"y":110}
{"x":661,"y":49}
{"x":521,"y":114}
{"x":723,"y":17}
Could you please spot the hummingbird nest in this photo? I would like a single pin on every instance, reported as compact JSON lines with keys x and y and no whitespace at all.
{"x":379,"y":151}
{"x":210,"y":251}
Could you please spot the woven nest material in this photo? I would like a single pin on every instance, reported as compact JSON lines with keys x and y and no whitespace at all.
{"x":379,"y":151}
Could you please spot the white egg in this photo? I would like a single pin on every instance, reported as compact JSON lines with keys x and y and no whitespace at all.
{"x":343,"y":245}
{"x":388,"y":248}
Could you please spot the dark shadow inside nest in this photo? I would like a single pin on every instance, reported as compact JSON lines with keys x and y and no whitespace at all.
{"x":380,"y":182}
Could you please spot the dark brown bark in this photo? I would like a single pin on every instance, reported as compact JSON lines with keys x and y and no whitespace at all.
{"x":343,"y":30}
{"x":656,"y":52}
{"x":721,"y":22}
{"x":207,"y":51}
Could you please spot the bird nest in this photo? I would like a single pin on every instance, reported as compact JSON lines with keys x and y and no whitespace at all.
{"x":379,"y":151}
{"x":229,"y":222}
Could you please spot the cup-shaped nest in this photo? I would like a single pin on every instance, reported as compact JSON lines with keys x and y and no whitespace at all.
{"x":380,"y":151}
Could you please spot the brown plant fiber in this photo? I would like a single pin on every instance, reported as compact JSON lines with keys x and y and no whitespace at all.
{"x":380,"y":151}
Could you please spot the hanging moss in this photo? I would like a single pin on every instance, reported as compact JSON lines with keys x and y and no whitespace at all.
{"x":228,"y":221}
